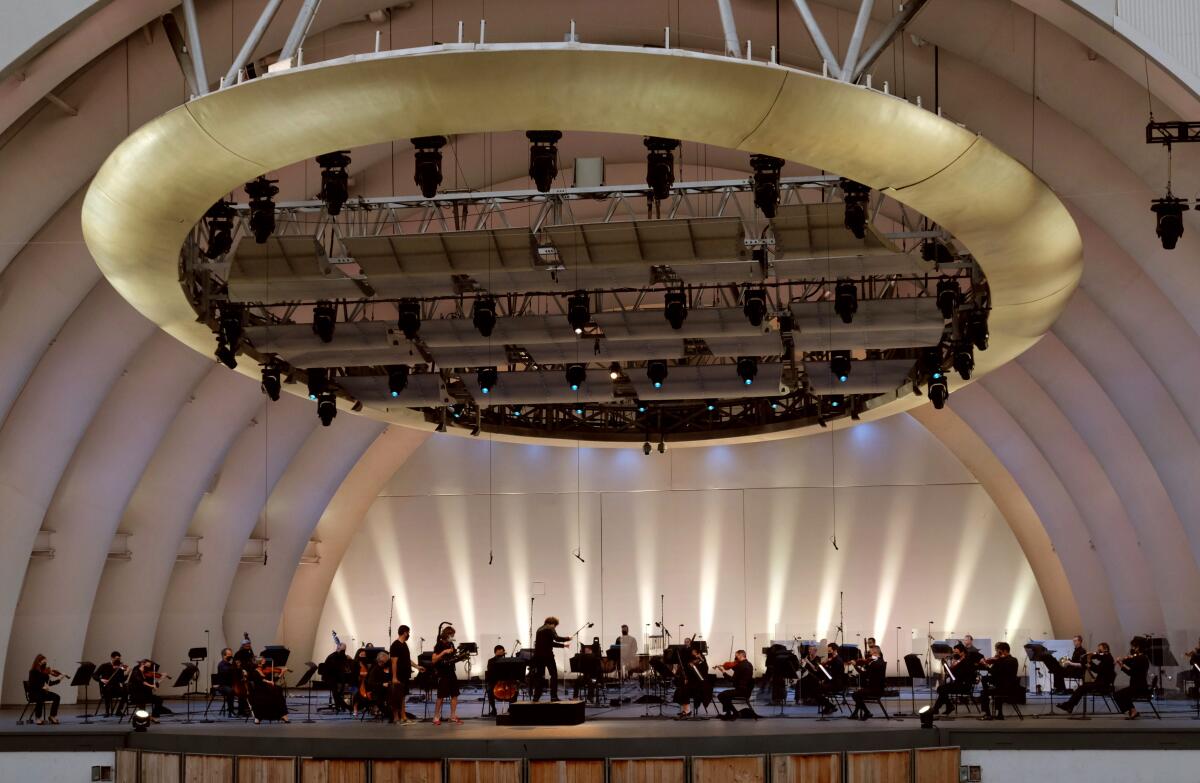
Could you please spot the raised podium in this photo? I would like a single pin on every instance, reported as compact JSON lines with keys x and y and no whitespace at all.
{"x":543,"y":713}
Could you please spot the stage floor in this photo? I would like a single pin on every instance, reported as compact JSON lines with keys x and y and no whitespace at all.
{"x":629,"y":731}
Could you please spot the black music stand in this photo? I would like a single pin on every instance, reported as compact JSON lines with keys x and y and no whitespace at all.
{"x":83,"y":676}
{"x":1036,"y":652}
{"x":307,"y":679}
{"x":588,"y":666}
{"x":916,"y":668}
{"x":196,"y":655}
{"x":1160,"y":657}
{"x":185,"y":679}
{"x":506,"y":669}
{"x":1196,"y":680}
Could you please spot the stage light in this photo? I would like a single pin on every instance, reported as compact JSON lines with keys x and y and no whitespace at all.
{"x":948,"y":296}
{"x":856,"y":197}
{"x":964,"y":361}
{"x":516,"y":410}
{"x":262,"y":208}
{"x":614,"y":371}
{"x":839,"y":365}
{"x":543,"y":158}
{"x":219,"y":218}
{"x":641,"y":407}
{"x":140,"y":719}
{"x":226,"y":355}
{"x":845,"y":300}
{"x":271,"y":383}
{"x":767,"y":169}
{"x":229,"y":334}
{"x":712,"y":406}
{"x":488,"y":379}
{"x":1169,"y":222}
{"x":646,"y":448}
{"x":483,"y":315}
{"x":938,"y":390}
{"x":675,"y":308}
{"x":335,"y":182}
{"x":656,"y":371}
{"x":754,"y":306}
{"x":427,"y":167}
{"x":409,"y":319}
{"x":579,"y":411}
{"x":317,"y":377}
{"x":936,"y":252}
{"x":977,"y":328}
{"x":457,"y":409}
{"x":576,"y":376}
{"x":747,"y":368}
{"x":324,"y":320}
{"x":660,"y":165}
{"x":835,"y":402}
{"x":579,"y":312}
{"x":326,"y":407}
{"x":397,"y":379}
{"x":662,"y":445}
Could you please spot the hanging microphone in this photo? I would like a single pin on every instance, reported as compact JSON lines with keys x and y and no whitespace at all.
{"x":578,"y":556}
{"x":490,"y":557}
{"x":833,"y":540}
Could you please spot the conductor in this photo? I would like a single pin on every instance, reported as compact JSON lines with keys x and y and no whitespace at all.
{"x":545,"y":641}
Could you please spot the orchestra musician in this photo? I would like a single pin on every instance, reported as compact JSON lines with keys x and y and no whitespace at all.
{"x":245,"y":654}
{"x":961,"y":679}
{"x":629,"y":648}
{"x":401,"y":675}
{"x":1102,"y":665}
{"x":872,"y":677}
{"x":267,"y":701}
{"x":545,"y":641}
{"x":689,"y":681}
{"x":834,"y":683}
{"x":378,"y":682}
{"x":1074,"y":668}
{"x":1001,"y":685}
{"x":334,"y":670}
{"x":111,"y":676}
{"x":588,"y":664}
{"x":227,"y":671}
{"x":782,"y":665}
{"x":143,"y":681}
{"x":361,"y":668}
{"x":809,"y":679}
{"x":491,"y":676}
{"x":743,"y":683}
{"x":972,"y":652}
{"x":41,"y":678}
{"x":447,"y":680}
{"x":1137,"y":666}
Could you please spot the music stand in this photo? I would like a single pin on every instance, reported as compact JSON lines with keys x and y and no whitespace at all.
{"x":916,"y":668}
{"x":1161,"y":657}
{"x":512,"y":669}
{"x":196,"y":655}
{"x":307,"y":679}
{"x":1196,"y":667}
{"x":588,"y":666}
{"x":1036,"y":653}
{"x":83,"y":676}
{"x":189,"y":674}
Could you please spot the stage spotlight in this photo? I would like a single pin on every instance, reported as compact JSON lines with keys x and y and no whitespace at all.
{"x":317,"y":377}
{"x":747,"y":368}
{"x":543,"y":158}
{"x":579,"y":312}
{"x":836,"y":402}
{"x":457,"y":409}
{"x":839,"y":365}
{"x":712,"y":406}
{"x":262,"y":208}
{"x":845,"y":300}
{"x":483,"y":315}
{"x":271,"y":383}
{"x":614,"y":371}
{"x":948,"y":296}
{"x":856,"y":196}
{"x":641,"y":407}
{"x":926,"y":714}
{"x":219,"y":218}
{"x":964,"y":361}
{"x":516,"y":411}
{"x":335,"y":182}
{"x":662,"y":445}
{"x":229,"y":334}
{"x":675,"y":308}
{"x":660,"y":165}
{"x":226,"y":355}
{"x":1169,"y":224}
{"x":766,"y":183}
{"x":938,"y":390}
{"x":576,"y":376}
{"x":409,"y":319}
{"x":977,"y":328}
{"x":646,"y":448}
{"x":754,"y":306}
{"x":579,"y":411}
{"x":324,"y":321}
{"x":656,"y":371}
{"x":427,"y":169}
{"x":397,"y":379}
{"x":326,"y":407}
{"x":936,"y":252}
{"x":140,"y":719}
{"x":488,"y":379}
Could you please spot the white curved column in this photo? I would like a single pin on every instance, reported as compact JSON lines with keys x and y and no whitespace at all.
{"x":195,"y":600}
{"x":56,"y":599}
{"x":1053,"y":504}
{"x":130,"y":594}
{"x":256,"y":598}
{"x":45,"y":424}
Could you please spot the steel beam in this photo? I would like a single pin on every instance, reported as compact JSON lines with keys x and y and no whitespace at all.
{"x":252,"y":40}
{"x":732,"y":42}
{"x":299,"y":30}
{"x":194,"y":48}
{"x":856,"y":38}
{"x":893,"y":28}
{"x":814,"y":31}
{"x":182,"y":56}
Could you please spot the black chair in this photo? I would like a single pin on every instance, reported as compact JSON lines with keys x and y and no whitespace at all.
{"x":30,"y":706}
{"x":888,"y":693}
{"x":1149,"y":696}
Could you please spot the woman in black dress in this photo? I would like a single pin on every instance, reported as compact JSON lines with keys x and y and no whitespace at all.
{"x":41,"y":677}
{"x":447,"y":680}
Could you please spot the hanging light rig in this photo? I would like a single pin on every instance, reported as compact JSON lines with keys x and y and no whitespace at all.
{"x":1168,"y":210}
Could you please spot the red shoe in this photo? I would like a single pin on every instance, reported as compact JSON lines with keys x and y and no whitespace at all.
{"x":456,"y":720}
{"x":437,"y":721}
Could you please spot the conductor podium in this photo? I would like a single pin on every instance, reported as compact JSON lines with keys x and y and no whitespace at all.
{"x":543,"y":713}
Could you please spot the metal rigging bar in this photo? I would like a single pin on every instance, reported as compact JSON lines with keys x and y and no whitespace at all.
{"x":814,"y":31}
{"x":890,"y":31}
{"x":252,"y":41}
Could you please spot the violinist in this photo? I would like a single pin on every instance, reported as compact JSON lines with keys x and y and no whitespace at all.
{"x":1102,"y":665}
{"x":1001,"y":684}
{"x":743,"y":683}
{"x":267,"y":701}
{"x":111,"y":677}
{"x":688,"y":681}
{"x":1137,"y":666}
{"x":834,"y":681}
{"x":402,"y":666}
{"x":143,"y":681}
{"x":362,"y":667}
{"x":447,"y":679}
{"x":491,"y":677}
{"x":809,"y":676}
{"x":41,"y":678}
{"x":960,"y":678}
{"x":872,"y":676}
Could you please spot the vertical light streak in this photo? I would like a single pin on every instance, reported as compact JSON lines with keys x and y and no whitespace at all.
{"x":709,"y":570}
{"x":456,"y":534}
{"x":895,"y":551}
{"x":970,"y":550}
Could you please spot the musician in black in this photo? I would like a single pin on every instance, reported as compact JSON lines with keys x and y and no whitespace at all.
{"x":223,"y":682}
{"x":379,"y":678}
{"x":1074,"y":668}
{"x":587,"y":664}
{"x":111,"y":676}
{"x":1137,"y":666}
{"x":872,"y":676}
{"x":688,"y":681}
{"x":245,"y":655}
{"x":972,"y":652}
{"x":782,"y":665}
{"x":1104,"y":670}
{"x":335,"y":672}
{"x":400,"y":660}
{"x":142,"y":684}
{"x":545,"y":641}
{"x":491,"y":676}
{"x":1001,"y":685}
{"x":41,"y":678}
{"x":743,"y":683}
{"x":959,"y":680}
{"x":810,"y":677}
{"x":833,"y":682}
{"x":447,"y":679}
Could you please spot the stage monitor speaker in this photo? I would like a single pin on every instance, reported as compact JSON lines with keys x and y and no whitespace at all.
{"x":541,"y":713}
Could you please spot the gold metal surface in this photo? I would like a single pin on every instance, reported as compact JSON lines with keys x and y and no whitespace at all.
{"x":158,"y":183}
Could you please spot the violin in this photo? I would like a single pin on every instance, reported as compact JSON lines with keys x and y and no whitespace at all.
{"x":728,"y":665}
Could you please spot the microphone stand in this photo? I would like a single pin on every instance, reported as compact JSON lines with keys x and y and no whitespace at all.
{"x":391,"y":609}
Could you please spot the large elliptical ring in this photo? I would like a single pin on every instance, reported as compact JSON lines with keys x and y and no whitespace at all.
{"x":159,"y":182}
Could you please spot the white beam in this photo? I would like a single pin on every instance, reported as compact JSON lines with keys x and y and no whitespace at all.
{"x":856,"y":38}
{"x":814,"y":31}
